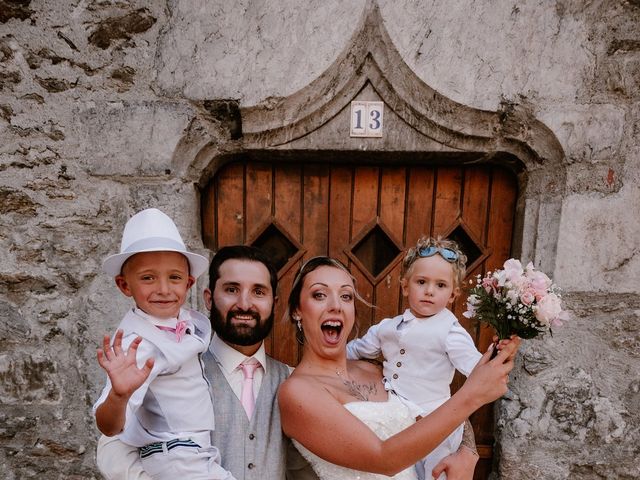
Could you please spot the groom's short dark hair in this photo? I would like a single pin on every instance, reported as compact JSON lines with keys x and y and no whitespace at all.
{"x":241,"y":252}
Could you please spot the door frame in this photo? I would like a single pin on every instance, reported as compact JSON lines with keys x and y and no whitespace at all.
{"x":231,"y":220}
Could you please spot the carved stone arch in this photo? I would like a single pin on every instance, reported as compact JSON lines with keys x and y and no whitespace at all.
{"x":371,"y":67}
{"x":420,"y":124}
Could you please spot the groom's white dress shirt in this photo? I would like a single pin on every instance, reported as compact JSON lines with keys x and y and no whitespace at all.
{"x":229,"y":361}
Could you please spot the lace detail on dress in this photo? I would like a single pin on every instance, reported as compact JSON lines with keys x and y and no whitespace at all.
{"x":385,"y":419}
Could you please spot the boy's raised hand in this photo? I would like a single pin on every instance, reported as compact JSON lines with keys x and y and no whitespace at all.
{"x":123,"y":371}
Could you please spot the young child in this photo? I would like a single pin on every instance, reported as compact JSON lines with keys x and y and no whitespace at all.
{"x":425,"y":345}
{"x":156,"y":397}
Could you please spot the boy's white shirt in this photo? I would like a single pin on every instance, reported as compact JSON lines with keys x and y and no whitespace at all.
{"x":144,"y":425}
{"x":420,"y":355}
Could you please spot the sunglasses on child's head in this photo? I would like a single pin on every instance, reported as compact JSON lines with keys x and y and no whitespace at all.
{"x":448,"y":255}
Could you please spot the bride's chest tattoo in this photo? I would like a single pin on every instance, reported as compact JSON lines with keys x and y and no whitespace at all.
{"x":361,"y":391}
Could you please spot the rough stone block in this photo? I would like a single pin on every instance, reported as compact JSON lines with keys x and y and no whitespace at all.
{"x":232,"y":50}
{"x":123,"y":27}
{"x":598,"y":248}
{"x":572,"y":419}
{"x":130,"y":138}
{"x":15,"y":201}
{"x":14,"y":9}
{"x":514,"y":48}
{"x":589,"y":133}
{"x":28,"y":378}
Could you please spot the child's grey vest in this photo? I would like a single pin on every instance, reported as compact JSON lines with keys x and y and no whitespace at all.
{"x":249,"y":450}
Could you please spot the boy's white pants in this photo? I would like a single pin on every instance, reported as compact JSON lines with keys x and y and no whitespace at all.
{"x":447,"y":447}
{"x":182,"y":459}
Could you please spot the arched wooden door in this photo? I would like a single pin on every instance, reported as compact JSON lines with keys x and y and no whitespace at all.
{"x":365,"y":216}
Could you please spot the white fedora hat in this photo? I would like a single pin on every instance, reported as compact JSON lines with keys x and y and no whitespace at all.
{"x":152,"y":231}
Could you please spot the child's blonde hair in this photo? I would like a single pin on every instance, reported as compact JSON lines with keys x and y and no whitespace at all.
{"x":459,"y":266}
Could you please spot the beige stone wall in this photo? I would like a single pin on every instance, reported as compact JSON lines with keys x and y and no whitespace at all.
{"x":98,"y":101}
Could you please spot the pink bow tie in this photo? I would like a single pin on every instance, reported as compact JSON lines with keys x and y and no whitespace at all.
{"x":180,"y":330}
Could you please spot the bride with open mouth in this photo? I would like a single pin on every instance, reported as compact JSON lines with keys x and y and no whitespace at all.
{"x":337,"y":411}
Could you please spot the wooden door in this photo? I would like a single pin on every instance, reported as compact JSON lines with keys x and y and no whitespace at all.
{"x":365,"y":216}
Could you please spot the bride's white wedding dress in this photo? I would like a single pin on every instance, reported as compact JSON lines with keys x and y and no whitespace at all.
{"x":385,"y":419}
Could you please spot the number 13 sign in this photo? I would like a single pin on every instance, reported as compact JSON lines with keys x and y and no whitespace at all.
{"x":366,"y":119}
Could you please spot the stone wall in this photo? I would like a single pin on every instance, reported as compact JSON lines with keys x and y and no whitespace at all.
{"x":98,"y":100}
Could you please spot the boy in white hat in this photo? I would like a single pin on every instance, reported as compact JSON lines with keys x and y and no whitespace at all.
{"x":156,"y":397}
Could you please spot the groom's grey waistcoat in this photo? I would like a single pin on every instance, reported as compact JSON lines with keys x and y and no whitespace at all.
{"x":249,"y":450}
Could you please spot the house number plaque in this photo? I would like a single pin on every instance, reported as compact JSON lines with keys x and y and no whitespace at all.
{"x":366,"y":119}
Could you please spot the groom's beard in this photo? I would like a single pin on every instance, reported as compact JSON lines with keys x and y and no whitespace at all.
{"x":240,"y":334}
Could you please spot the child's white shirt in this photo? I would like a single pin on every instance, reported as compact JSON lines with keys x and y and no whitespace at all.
{"x":420,"y":355}
{"x":174,"y":402}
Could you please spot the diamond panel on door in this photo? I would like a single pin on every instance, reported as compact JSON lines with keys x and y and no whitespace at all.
{"x":281,"y":247}
{"x":375,"y":251}
{"x":474,"y":250}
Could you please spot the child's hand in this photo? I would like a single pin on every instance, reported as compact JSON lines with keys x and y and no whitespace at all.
{"x":459,"y":465}
{"x":122,"y":369}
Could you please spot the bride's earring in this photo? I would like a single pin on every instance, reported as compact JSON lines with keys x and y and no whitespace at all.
{"x":299,"y":333}
{"x":296,"y":317}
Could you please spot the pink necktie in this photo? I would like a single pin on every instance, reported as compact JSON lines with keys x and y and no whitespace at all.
{"x":181,"y":328}
{"x":246,"y":398}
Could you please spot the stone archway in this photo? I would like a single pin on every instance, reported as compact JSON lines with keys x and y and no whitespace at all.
{"x":419,"y":120}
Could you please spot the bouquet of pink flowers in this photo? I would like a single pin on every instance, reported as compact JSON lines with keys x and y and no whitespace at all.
{"x":516,"y":300}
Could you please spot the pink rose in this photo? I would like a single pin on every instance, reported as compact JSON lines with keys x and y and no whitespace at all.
{"x":548,"y":309}
{"x":538,"y":281}
{"x":528,"y":296}
{"x":490,"y":284}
